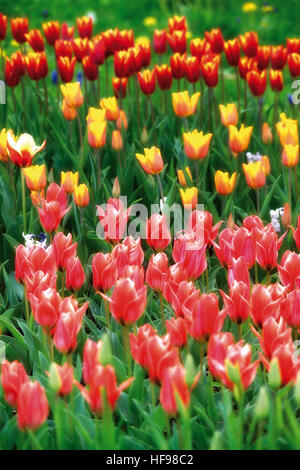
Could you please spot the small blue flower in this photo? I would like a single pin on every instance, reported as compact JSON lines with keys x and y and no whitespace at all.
{"x":45,"y":13}
{"x":290,"y":98}
{"x":79,"y":77}
{"x":54,"y":77}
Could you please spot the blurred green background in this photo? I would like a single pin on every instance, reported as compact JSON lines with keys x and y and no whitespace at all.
{"x":274,"y":20}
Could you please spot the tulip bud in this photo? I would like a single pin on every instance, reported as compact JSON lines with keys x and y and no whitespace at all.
{"x":54,"y":378}
{"x":116,"y":191}
{"x":262,"y":404}
{"x":274,"y":374}
{"x":144,"y":136}
{"x":190,"y":370}
{"x":105,"y":354}
{"x":233,"y":372}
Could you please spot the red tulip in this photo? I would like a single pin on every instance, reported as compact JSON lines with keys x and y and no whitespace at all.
{"x":19,"y":27}
{"x":287,"y":361}
{"x":39,"y":282}
{"x":289,"y":270}
{"x":105,"y":273}
{"x":199,"y":47}
{"x":32,"y":259}
{"x":293,"y":45}
{"x":66,"y":67}
{"x":13,"y":376}
{"x":36,"y":65}
{"x":63,"y":48}
{"x":127,"y":304}
{"x":177,"y":41}
{"x":177,"y":62}
{"x":63,"y":378}
{"x":210,"y":69}
{"x":64,"y":249}
{"x":85,"y":26}
{"x":177,"y":331}
{"x":51,"y":215}
{"x":262,"y":304}
{"x":103,"y":378}
{"x":201,"y":224}
{"x":160,"y":41}
{"x":274,"y":333}
{"x":90,"y":69}
{"x":215,"y":39}
{"x":120,"y":87}
{"x":181,"y":296}
{"x":12,"y":77}
{"x":3,"y":26}
{"x":80,"y":48}
{"x":67,"y":32}
{"x":174,"y":388}
{"x":97,"y":49}
{"x":75,"y":274}
{"x":294,"y":64}
{"x":152,"y":352}
{"x":157,"y":270}
{"x":146,"y":79}
{"x":91,"y":357}
{"x":192,"y":254}
{"x":267,"y":248}
{"x":136,"y":274}
{"x":233,"y":52}
{"x":257,"y":81}
{"x":177,"y":23}
{"x":192,"y":69}
{"x":32,"y":406}
{"x":113,"y":219}
{"x":51,"y":30}
{"x":204,"y":318}
{"x":249,"y":43}
{"x":157,"y":232}
{"x":236,"y":304}
{"x":221,"y":351}
{"x":296,"y":233}
{"x":68,"y":325}
{"x":128,"y":253}
{"x":35,"y":40}
{"x":276,"y":80}
{"x":45,"y":307}
{"x":245,"y":64}
{"x":238,"y":271}
{"x":291,"y":311}
{"x":263,"y":57}
{"x":164,"y":76}
{"x":278,"y":57}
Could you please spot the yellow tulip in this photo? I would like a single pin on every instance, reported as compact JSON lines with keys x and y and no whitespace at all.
{"x":35,"y":177}
{"x":224,"y":184}
{"x":239,"y":139}
{"x":151,"y":161}
{"x":229,"y":114}
{"x":181,"y":176}
{"x":183,"y":104}
{"x":196,"y":144}
{"x":69,"y":180}
{"x":81,"y":195}
{"x":72,"y":94}
{"x":189,"y":197}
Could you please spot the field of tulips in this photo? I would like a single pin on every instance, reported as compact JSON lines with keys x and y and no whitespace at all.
{"x":149,"y":238}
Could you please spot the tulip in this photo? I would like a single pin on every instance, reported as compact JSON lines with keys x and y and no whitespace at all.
{"x":199,"y":47}
{"x":97,"y":49}
{"x":293,"y":61}
{"x":267,"y":135}
{"x":64,"y":249}
{"x":61,"y":378}
{"x":75,"y":274}
{"x":215,"y":39}
{"x":157,"y":232}
{"x":68,"y":325}
{"x":119,"y":87}
{"x":287,"y":363}
{"x":51,"y":30}
{"x":32,"y":406}
{"x":127,"y":304}
{"x":192,"y":69}
{"x":35,"y":40}
{"x":91,"y":358}
{"x":157,"y":270}
{"x":177,"y":331}
{"x":160,"y":41}
{"x":274,"y":333}
{"x":69,"y":180}
{"x":177,"y":41}
{"x":3,"y":26}
{"x":223,"y":354}
{"x":276,"y":80}
{"x":36,"y":65}
{"x":238,"y":271}
{"x":278,"y":57}
{"x":236,"y":304}
{"x":103,"y":378}
{"x":196,"y":144}
{"x":201,"y":224}
{"x":262,"y":305}
{"x":67,"y":32}
{"x":40,"y":282}
{"x":4,"y":156}
{"x":232,"y":52}
{"x":113,"y":219}
{"x":184,"y":105}
{"x":290,"y":155}
{"x":181,"y":176}
{"x":267,"y":248}
{"x":257,"y":81}
{"x":111,"y":107}
{"x":177,"y":23}
{"x":263,"y":57}
{"x":146,"y":80}
{"x":151,"y":161}
{"x":177,"y":64}
{"x":209,"y":70}
{"x":224,"y":184}
{"x":290,"y":311}
{"x":249,"y":43}
{"x":163,"y":76}
{"x":255,"y":174}
{"x":180,"y":294}
{"x":239,"y":139}
{"x":72,"y":94}
{"x":69,"y":113}
{"x":192,"y":254}
{"x":174,"y":389}
{"x":245,"y":65}
{"x":66,"y":66}
{"x":81,"y":195}
{"x":289,"y":270}
{"x":229,"y":114}
{"x":204,"y":318}
{"x":51,"y":215}
{"x":95,"y":115}
{"x":34,"y":258}
{"x":19,"y":28}
{"x":85,"y":26}
{"x":122,"y":122}
{"x":90,"y":69}
{"x":13,"y":376}
{"x":63,"y":48}
{"x":105,"y":273}
{"x":45,"y":307}
{"x":97,"y":134}
{"x":22,"y":150}
{"x":35,"y":177}
{"x":116,"y":140}
{"x":293,"y":45}
{"x":287,"y":130}
{"x":189,"y":197}
{"x":152,"y":352}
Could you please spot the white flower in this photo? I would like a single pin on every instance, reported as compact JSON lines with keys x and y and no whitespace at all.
{"x":91,"y":14}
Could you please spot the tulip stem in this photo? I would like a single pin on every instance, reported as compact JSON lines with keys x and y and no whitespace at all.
{"x":106,"y":308}
{"x":80,"y":137}
{"x":222,"y":81}
{"x":23,"y":200}
{"x":46,"y":97}
{"x":34,"y":441}
{"x":296,"y":183}
{"x":240,"y":331}
{"x":201,"y":358}
{"x":163,"y":321}
{"x":160,"y":188}
{"x":290,"y":185}
{"x":99,"y":85}
{"x":275,"y":111}
{"x":26,"y":306}
{"x":260,"y":112}
{"x":245,"y":102}
{"x":238,"y":89}
{"x":125,"y":337}
{"x":153,"y":399}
